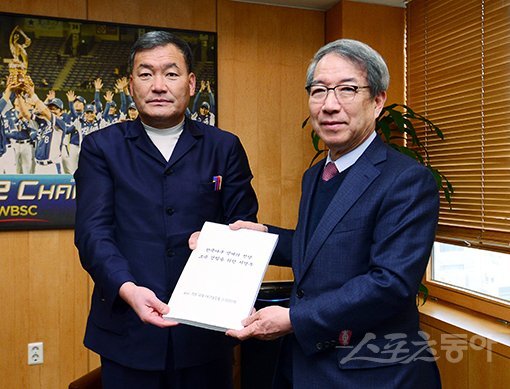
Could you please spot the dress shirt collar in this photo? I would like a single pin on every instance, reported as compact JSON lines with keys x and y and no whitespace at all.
{"x":347,"y":160}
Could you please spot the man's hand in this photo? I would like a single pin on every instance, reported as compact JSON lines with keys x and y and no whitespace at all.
{"x":71,"y":96}
{"x":108,"y":96}
{"x":193,"y":240}
{"x":98,"y":84}
{"x":12,"y":83}
{"x":266,"y":324}
{"x":147,"y":306}
{"x":51,"y":95}
{"x":248,"y":225}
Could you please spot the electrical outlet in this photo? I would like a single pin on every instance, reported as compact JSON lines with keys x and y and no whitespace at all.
{"x":35,"y":353}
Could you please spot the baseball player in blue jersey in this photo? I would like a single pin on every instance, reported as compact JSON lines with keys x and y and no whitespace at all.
{"x":72,"y":149}
{"x":126,"y":101}
{"x":204,"y":113}
{"x":22,"y":140}
{"x":110,"y":114}
{"x":4,"y":145}
{"x":72,"y":140}
{"x":72,"y":137}
{"x":91,"y":121}
{"x":7,"y":155}
{"x":7,"y":161}
{"x":50,"y":131}
{"x":76,"y":106}
{"x":132,"y":112}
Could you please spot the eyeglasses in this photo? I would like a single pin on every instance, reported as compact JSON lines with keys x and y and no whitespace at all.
{"x":344,"y":93}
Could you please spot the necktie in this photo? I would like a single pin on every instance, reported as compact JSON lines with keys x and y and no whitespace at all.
{"x":329,"y":171}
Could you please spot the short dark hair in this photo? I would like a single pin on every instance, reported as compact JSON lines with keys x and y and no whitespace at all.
{"x":154,"y":39}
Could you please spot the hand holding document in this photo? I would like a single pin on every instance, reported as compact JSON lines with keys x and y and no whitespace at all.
{"x":220,"y":282}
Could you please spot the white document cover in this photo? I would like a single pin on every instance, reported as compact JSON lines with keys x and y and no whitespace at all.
{"x":220,"y":282}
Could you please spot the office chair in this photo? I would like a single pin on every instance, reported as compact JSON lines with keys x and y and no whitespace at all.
{"x":91,"y":380}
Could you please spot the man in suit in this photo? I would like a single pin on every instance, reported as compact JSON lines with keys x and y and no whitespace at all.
{"x":367,"y":221}
{"x":143,"y":187}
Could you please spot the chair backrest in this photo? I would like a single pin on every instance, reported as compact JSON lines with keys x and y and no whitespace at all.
{"x":91,"y":380}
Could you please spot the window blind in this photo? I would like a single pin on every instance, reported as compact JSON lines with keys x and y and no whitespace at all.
{"x":458,"y":76}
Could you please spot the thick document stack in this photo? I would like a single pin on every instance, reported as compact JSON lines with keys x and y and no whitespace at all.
{"x":220,"y":282}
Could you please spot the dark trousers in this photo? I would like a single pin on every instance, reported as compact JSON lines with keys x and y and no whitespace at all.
{"x":216,"y":374}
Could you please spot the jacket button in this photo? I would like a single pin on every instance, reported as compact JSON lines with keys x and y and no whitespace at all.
{"x":169,"y":172}
{"x":170,"y":253}
{"x":170,"y":211}
{"x":319,"y":346}
{"x":300,"y":293}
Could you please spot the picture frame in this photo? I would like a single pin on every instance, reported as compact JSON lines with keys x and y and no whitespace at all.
{"x":72,"y":64}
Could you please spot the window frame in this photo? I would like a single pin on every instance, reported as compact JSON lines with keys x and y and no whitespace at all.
{"x":467,"y":299}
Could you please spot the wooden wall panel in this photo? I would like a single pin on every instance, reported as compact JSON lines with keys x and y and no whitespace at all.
{"x":13,"y":295}
{"x":44,"y":299}
{"x":265,"y":51}
{"x":334,"y":19}
{"x":488,"y":371}
{"x":381,"y":27}
{"x":74,"y":9}
{"x":188,"y":15}
{"x":453,"y":375}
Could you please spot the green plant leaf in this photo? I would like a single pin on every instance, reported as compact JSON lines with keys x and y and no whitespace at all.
{"x":424,"y":291}
{"x":315,"y":140}
{"x":397,"y":119}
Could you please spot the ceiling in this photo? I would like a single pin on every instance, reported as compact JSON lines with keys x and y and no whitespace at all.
{"x":322,"y":5}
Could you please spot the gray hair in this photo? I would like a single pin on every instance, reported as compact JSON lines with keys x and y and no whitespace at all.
{"x":154,"y":39}
{"x":359,"y":54}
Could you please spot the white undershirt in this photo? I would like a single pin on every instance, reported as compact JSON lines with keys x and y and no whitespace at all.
{"x":165,"y":139}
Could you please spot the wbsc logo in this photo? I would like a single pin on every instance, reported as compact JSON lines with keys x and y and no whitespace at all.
{"x":37,"y":201}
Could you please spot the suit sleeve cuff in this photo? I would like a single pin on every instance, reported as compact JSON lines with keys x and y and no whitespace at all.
{"x":309,"y":338}
{"x":117,"y":279}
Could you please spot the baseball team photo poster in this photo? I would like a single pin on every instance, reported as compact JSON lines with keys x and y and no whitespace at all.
{"x":79,"y":70}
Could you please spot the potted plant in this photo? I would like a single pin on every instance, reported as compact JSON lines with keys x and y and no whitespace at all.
{"x":396,"y":125}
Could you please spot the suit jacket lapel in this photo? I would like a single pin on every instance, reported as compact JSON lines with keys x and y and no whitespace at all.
{"x":309,"y":185}
{"x":142,"y":141}
{"x":358,"y":179}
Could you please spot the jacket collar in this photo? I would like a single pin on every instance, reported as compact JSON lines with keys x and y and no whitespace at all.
{"x":190,"y":135}
{"x":135,"y":128}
